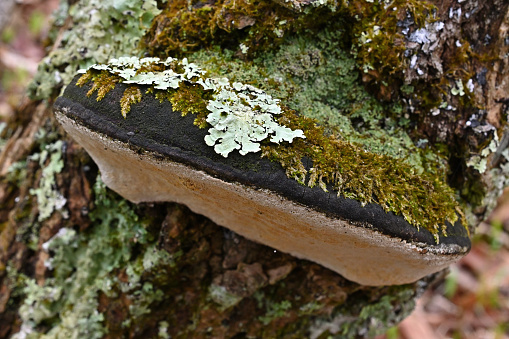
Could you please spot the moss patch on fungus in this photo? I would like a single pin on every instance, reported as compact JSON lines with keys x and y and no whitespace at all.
{"x":103,"y":83}
{"x":191,"y":98}
{"x":132,"y":95}
{"x":421,"y":198}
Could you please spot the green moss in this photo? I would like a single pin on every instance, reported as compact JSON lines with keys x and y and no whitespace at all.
{"x":184,"y":27}
{"x":378,"y":43}
{"x":132,"y":95}
{"x":251,"y":28}
{"x":103,"y":83}
{"x":352,"y":172}
{"x":187,"y":98}
{"x":192,"y":98}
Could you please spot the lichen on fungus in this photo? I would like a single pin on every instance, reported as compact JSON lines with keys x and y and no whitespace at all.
{"x":240,"y":116}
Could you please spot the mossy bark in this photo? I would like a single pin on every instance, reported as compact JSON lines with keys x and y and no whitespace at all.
{"x":99,"y":266}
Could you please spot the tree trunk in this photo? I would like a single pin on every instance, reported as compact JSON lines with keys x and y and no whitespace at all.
{"x":77,"y":260}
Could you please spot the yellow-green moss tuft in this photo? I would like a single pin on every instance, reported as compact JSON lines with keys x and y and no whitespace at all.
{"x":191,"y":98}
{"x":188,"y":98}
{"x":247,"y":27}
{"x":103,"y":82}
{"x":183,"y":28}
{"x":86,"y":77}
{"x":132,"y":95}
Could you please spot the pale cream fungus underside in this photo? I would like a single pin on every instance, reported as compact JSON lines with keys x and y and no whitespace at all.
{"x":357,"y":253}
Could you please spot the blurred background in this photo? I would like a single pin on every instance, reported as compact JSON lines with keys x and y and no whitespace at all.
{"x":471,"y":302}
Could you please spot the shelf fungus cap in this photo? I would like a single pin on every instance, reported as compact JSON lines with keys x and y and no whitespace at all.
{"x":156,"y":154}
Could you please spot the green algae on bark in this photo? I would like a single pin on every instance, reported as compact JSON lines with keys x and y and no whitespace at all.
{"x":351,"y":171}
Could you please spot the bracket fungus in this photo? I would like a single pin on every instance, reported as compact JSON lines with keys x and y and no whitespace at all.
{"x":149,"y":149}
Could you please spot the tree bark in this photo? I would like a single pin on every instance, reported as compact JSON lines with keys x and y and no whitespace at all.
{"x":78,"y":260}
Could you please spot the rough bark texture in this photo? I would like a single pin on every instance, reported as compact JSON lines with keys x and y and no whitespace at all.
{"x":77,"y":259}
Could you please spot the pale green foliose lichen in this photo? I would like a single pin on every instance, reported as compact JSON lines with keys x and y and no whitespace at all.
{"x":73,"y":303}
{"x":84,"y":265}
{"x":493,"y":161}
{"x":459,"y":89}
{"x":99,"y":30}
{"x":163,"y":330}
{"x":49,"y":199}
{"x":17,"y":172}
{"x":480,"y":161}
{"x":241,"y":115}
{"x":309,"y":308}
{"x":220,"y":295}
